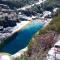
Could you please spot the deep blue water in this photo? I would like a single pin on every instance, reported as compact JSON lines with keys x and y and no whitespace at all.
{"x":22,"y":38}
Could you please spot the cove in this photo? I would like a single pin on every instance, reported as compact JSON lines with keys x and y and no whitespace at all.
{"x":22,"y":38}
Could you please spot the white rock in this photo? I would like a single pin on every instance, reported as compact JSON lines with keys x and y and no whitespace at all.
{"x":5,"y":57}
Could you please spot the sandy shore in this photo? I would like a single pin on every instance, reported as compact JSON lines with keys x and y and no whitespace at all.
{"x":19,"y":26}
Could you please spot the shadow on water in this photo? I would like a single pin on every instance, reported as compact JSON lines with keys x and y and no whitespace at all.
{"x":22,"y":38}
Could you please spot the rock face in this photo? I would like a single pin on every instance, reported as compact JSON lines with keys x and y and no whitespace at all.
{"x":4,"y":56}
{"x":9,"y":23}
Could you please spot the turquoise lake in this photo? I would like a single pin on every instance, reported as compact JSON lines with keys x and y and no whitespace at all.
{"x":22,"y":38}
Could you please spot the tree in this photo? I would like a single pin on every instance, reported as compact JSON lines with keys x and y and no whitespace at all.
{"x":37,"y":8}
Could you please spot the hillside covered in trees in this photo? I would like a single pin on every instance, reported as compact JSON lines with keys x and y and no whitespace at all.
{"x":17,"y":3}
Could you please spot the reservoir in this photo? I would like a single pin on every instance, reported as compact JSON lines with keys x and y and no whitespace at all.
{"x":22,"y":38}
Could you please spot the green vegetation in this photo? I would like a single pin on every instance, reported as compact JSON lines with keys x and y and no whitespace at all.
{"x":54,"y":3}
{"x":48,"y":5}
{"x":18,"y":3}
{"x":53,"y":26}
{"x":41,"y":7}
{"x":37,"y":8}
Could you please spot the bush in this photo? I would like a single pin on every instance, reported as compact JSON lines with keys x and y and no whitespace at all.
{"x":37,"y":8}
{"x":53,"y":26}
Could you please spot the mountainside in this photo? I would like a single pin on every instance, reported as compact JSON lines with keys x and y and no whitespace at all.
{"x":17,"y":3}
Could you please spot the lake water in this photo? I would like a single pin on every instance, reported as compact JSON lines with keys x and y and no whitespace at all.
{"x":22,"y":38}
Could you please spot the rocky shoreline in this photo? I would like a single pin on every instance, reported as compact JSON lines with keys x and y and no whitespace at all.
{"x":13,"y":30}
{"x":21,"y":52}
